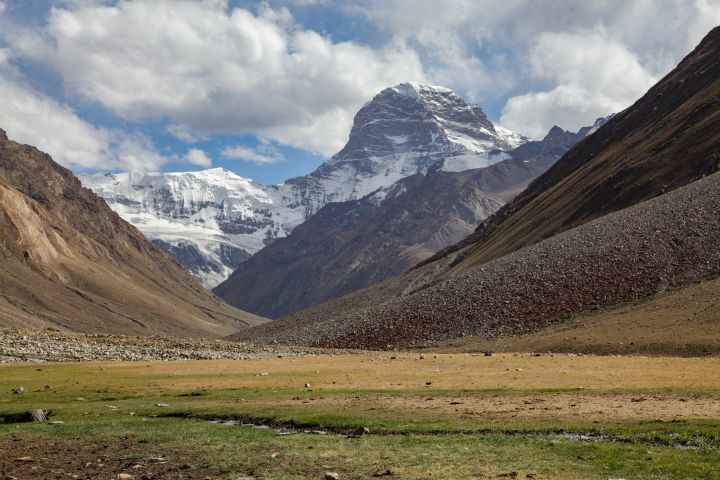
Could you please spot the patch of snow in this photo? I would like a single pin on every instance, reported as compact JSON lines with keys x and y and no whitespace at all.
{"x":599,"y":123}
{"x":514,"y":139}
{"x":414,"y":90}
{"x":460,"y":163}
{"x":397,"y":139}
{"x":469,"y":143}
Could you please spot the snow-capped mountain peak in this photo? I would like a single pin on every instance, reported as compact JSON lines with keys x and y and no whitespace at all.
{"x":213,"y":219}
{"x":416,"y":90}
{"x":402,"y":131}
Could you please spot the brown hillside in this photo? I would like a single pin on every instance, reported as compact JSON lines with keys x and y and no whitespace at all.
{"x":683,"y":322}
{"x":667,"y":139}
{"x":68,"y":261}
{"x":653,"y":246}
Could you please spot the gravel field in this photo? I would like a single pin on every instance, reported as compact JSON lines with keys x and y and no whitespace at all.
{"x":651,"y":247}
{"x":56,"y":346}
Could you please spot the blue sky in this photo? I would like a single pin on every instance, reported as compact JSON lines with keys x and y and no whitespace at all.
{"x":268,"y":89}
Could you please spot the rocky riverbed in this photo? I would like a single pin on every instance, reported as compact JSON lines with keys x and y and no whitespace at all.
{"x":58,"y":346}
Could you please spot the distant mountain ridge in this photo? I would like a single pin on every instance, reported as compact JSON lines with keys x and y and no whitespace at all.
{"x":351,"y":245}
{"x":213,"y":220}
{"x":210,"y":220}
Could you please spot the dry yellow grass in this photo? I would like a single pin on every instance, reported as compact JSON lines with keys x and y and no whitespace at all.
{"x":400,"y":371}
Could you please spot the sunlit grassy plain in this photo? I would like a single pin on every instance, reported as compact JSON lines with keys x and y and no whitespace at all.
{"x":444,"y":416}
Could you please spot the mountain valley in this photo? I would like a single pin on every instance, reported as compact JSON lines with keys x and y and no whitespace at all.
{"x":354,"y":244}
{"x":438,"y":298}
{"x":556,"y":249}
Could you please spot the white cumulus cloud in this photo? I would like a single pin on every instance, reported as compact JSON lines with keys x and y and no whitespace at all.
{"x":209,"y":69}
{"x":493,"y":50}
{"x":261,"y":154}
{"x":195,"y":156}
{"x":593,"y":76}
{"x":36,"y":119}
{"x":205,"y":67}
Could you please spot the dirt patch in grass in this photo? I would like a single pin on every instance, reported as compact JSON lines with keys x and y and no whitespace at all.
{"x":586,"y":406}
{"x":35,"y":457}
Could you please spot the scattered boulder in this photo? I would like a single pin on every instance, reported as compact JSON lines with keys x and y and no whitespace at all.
{"x":360,"y":431}
{"x":386,"y":473}
{"x":37,"y":415}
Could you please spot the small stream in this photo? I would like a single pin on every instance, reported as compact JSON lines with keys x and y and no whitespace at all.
{"x":575,"y":437}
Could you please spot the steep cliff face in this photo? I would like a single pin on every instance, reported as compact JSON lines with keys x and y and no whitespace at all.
{"x":212,"y":220}
{"x":403,"y":131}
{"x":69,"y":261}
